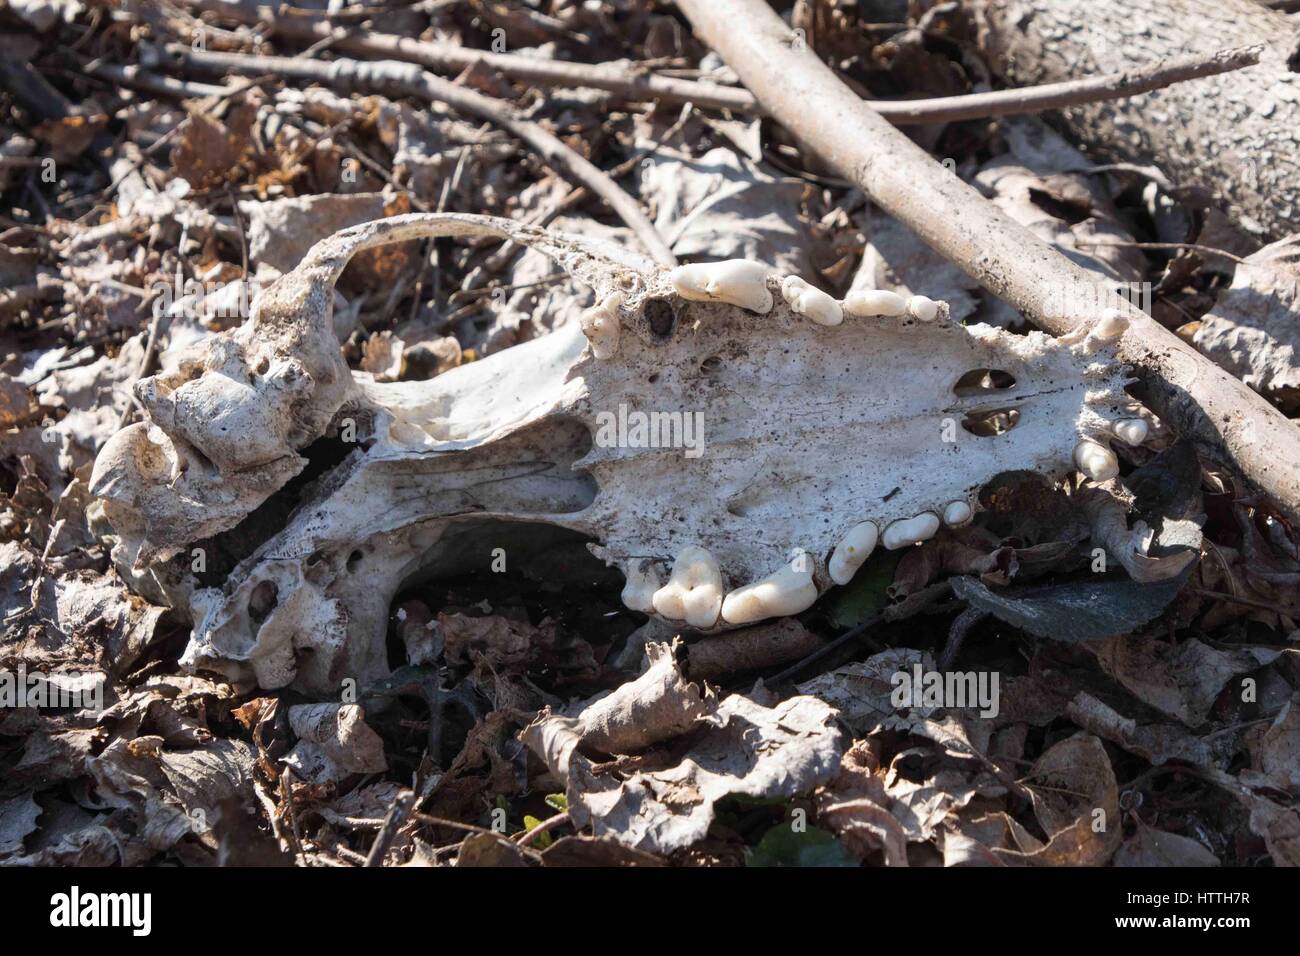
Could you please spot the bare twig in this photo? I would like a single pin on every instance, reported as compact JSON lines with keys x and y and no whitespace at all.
{"x":635,"y":83}
{"x":402,"y":79}
{"x":1222,"y":415}
{"x":397,"y":815}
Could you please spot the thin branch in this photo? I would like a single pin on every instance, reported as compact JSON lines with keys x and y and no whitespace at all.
{"x":402,"y":79}
{"x":1223,"y":417}
{"x":634,"y":83}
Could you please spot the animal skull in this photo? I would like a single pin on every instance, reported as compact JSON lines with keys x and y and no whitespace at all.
{"x":736,"y":441}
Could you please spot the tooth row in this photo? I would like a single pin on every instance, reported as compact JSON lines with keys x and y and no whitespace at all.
{"x":734,"y":281}
{"x":805,"y":299}
{"x":784,"y":592}
{"x":600,"y":324}
{"x":744,"y":283}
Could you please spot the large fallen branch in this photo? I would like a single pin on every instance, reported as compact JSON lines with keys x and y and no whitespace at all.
{"x":1231,"y":135}
{"x":1222,"y":415}
{"x":403,"y":79}
{"x":634,"y":84}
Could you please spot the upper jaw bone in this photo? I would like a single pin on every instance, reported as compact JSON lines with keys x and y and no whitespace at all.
{"x":734,"y":281}
{"x":787,"y":591}
{"x":694,"y":590}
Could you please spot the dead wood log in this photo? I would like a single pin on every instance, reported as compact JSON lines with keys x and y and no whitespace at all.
{"x":1231,"y":135}
{"x":1223,"y":416}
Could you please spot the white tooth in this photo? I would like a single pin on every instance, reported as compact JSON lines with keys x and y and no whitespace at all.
{"x":600,"y":324}
{"x":1096,"y":461}
{"x":808,"y":300}
{"x":1112,"y":325}
{"x":1131,"y":431}
{"x":907,"y":531}
{"x":642,"y":583}
{"x":735,"y":281}
{"x":787,"y":591}
{"x":923,"y":309}
{"x":851,"y":552}
{"x":957,"y":513}
{"x":694,"y":590}
{"x":876,"y":302}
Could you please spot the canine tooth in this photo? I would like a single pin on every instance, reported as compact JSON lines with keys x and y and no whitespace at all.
{"x":875,"y":302}
{"x":913,"y":530}
{"x":787,"y":591}
{"x":1096,"y":461}
{"x":600,"y":324}
{"x":1112,"y":325}
{"x":957,"y":513}
{"x":808,"y":300}
{"x":694,"y":590}
{"x":852,"y":551}
{"x":1131,"y":431}
{"x":735,"y":281}
{"x":642,"y":583}
{"x":923,"y":309}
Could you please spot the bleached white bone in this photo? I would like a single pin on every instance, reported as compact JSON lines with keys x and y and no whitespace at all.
{"x":642,"y":583}
{"x":694,"y":590}
{"x":600,"y":324}
{"x":734,"y":281}
{"x":957,"y":514}
{"x":787,"y":591}
{"x":849,"y":555}
{"x":805,"y":299}
{"x":922,"y":309}
{"x":1131,"y":431}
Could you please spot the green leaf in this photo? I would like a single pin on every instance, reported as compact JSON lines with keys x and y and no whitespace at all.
{"x":542,"y":840}
{"x":783,"y":846}
{"x":864,"y":597}
{"x":557,"y":801}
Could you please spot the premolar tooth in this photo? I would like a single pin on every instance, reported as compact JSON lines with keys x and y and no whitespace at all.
{"x":808,"y":300}
{"x":923,"y":309}
{"x":600,"y":324}
{"x":694,"y":590}
{"x":913,"y":530}
{"x":1131,"y":431}
{"x":852,"y":551}
{"x":874,"y":302}
{"x":784,"y":592}
{"x":642,"y":583}
{"x":735,"y":281}
{"x":1096,"y":461}
{"x":957,"y":513}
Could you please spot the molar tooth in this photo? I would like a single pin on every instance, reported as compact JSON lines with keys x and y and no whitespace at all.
{"x":852,"y":551}
{"x":874,"y":302}
{"x":600,"y":324}
{"x":1131,"y":431}
{"x":923,"y":309}
{"x":1096,"y":461}
{"x":694,"y":590}
{"x":787,"y":591}
{"x":1112,"y":325}
{"x":912,"y":530}
{"x":808,"y":300}
{"x":735,"y":281}
{"x":642,"y":583}
{"x":957,"y":513}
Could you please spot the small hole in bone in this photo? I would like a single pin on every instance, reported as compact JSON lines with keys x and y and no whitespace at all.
{"x":711,"y":365}
{"x":983,"y":381}
{"x":991,"y":421}
{"x":262,"y":602}
{"x":660,"y":316}
{"x":354,"y":559}
{"x":653,"y":378}
{"x":263,"y":366}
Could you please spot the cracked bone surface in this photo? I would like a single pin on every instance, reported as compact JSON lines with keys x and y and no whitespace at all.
{"x":705,"y":430}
